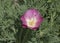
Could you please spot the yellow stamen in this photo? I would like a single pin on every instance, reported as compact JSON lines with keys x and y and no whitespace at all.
{"x":31,"y":23}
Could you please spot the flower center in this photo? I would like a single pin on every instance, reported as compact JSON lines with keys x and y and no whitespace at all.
{"x":31,"y":22}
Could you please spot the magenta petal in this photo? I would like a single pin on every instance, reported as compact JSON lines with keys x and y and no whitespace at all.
{"x":35,"y":28}
{"x":31,"y":13}
{"x":23,"y":22}
{"x":39,"y":21}
{"x":24,"y":26}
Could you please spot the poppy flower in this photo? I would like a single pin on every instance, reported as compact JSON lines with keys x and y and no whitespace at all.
{"x":31,"y":19}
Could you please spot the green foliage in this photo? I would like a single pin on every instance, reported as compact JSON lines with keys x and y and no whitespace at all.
{"x":11,"y":30}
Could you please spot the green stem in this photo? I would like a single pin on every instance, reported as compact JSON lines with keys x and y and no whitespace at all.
{"x":20,"y":35}
{"x":25,"y":37}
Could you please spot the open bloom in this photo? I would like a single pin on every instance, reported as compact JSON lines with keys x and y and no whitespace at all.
{"x":31,"y":19}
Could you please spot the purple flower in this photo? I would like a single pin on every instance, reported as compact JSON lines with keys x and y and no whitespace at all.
{"x":31,"y":19}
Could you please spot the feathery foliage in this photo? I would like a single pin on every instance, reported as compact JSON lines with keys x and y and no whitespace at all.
{"x":11,"y":30}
